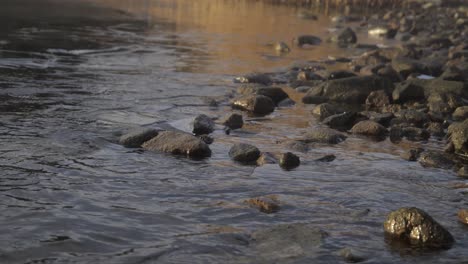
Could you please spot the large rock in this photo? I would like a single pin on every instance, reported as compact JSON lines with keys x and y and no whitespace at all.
{"x":256,"y":104}
{"x":324,"y":135}
{"x":458,"y":135}
{"x":416,"y":227}
{"x":179,"y":143}
{"x":203,"y":124}
{"x":369,"y":128}
{"x":276,"y":94}
{"x":244,"y":153}
{"x":377,"y":99}
{"x":406,"y":66}
{"x":135,"y":138}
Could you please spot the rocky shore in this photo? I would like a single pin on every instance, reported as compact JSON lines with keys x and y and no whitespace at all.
{"x":416,"y":90}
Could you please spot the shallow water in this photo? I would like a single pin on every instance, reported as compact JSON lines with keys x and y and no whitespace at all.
{"x":72,"y":195}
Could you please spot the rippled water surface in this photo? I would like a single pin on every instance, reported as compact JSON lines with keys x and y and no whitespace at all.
{"x":73,"y":77}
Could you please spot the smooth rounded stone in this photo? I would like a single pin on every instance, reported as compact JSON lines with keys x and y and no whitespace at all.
{"x":324,"y":135}
{"x":135,"y":138}
{"x":463,"y":216}
{"x":203,"y":124}
{"x":463,"y":172}
{"x":369,"y":128}
{"x":340,"y":75}
{"x":289,"y":160}
{"x":325,"y":110}
{"x":344,"y":37}
{"x":286,"y":241}
{"x":233,"y":121}
{"x":351,"y":255}
{"x":306,"y":40}
{"x":178,"y":143}
{"x":412,"y":154}
{"x":410,"y":90}
{"x":256,"y":104}
{"x":458,"y":135}
{"x":206,"y":138}
{"x":436,"y":159}
{"x":266,"y":158}
{"x":264,"y":204}
{"x":281,"y":47}
{"x":415,"y":133}
{"x":244,"y":153}
{"x":416,"y":227}
{"x":377,"y":99}
{"x":355,"y":90}
{"x":259,"y":78}
{"x":326,"y":158}
{"x":341,"y":121}
{"x":460,"y":114}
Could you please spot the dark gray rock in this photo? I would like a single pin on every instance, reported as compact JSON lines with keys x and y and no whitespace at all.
{"x":415,"y":133}
{"x":289,"y":161}
{"x":436,"y":159}
{"x":355,"y":89}
{"x":206,"y":138}
{"x":256,"y":104}
{"x":233,"y":121}
{"x":203,"y":124}
{"x":178,"y":143}
{"x":369,"y":128}
{"x":325,"y":110}
{"x":135,"y":138}
{"x":416,"y":227}
{"x":411,"y":90}
{"x":323,"y":135}
{"x":307,"y":40}
{"x":342,"y":121}
{"x":244,"y":153}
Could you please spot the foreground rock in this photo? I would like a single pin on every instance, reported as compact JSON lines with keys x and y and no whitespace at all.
{"x":276,"y":94}
{"x":324,"y":135}
{"x":178,"y":143}
{"x":264,"y":204}
{"x":203,"y":124}
{"x":233,"y":121}
{"x":256,"y":104}
{"x":416,"y":227}
{"x":369,"y":128}
{"x":244,"y":153}
{"x":463,"y":216}
{"x":135,"y":138}
{"x":458,"y":135}
{"x":289,"y":161}
{"x":325,"y":110}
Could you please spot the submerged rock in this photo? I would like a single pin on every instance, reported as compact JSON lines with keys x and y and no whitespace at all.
{"x":203,"y":124}
{"x":289,"y":161}
{"x":178,"y":143}
{"x":369,"y":128}
{"x":412,"y":154}
{"x":351,"y":255}
{"x":324,"y":135}
{"x":436,"y":159}
{"x":264,"y":204}
{"x":416,"y":227}
{"x":244,"y":153}
{"x":135,"y":138}
{"x":233,"y":121}
{"x":256,"y":104}
{"x":307,"y":40}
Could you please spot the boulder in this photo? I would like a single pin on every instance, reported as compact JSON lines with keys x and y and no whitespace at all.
{"x":344,"y":37}
{"x":458,"y":135}
{"x":233,"y":121}
{"x":244,"y":153}
{"x":307,"y":40}
{"x":203,"y":124}
{"x":416,"y":227}
{"x":289,"y":161}
{"x":256,"y":104}
{"x":178,"y":143}
{"x":369,"y":128}
{"x":135,"y":138}
{"x":323,"y":135}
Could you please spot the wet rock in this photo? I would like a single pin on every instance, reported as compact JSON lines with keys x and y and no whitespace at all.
{"x":412,"y":154}
{"x":463,"y":172}
{"x":325,"y":110}
{"x":308,"y":76}
{"x":415,"y":133}
{"x":381,"y":118}
{"x":463,"y":216}
{"x":287,"y":241}
{"x":289,"y":161}
{"x":264,"y":204}
{"x":454,"y":74}
{"x":406,"y":66}
{"x":302,"y":89}
{"x":416,"y":227}
{"x":460,"y":114}
{"x":259,"y":78}
{"x":411,"y":117}
{"x":203,"y":124}
{"x":178,"y":143}
{"x":435,"y":129}
{"x":256,"y":104}
{"x":438,"y":86}
{"x":324,"y":135}
{"x":411,"y":90}
{"x":340,"y":75}
{"x":233,"y":121}
{"x":244,"y":153}
{"x":344,"y":37}
{"x":369,"y":128}
{"x":286,"y":103}
{"x":307,"y":40}
{"x":377,"y":99}
{"x":355,"y":89}
{"x":298,"y":146}
{"x":206,"y":138}
{"x":436,"y":159}
{"x":351,"y":255}
{"x":342,"y":121}
{"x":458,"y":135}
{"x":276,"y":94}
{"x":310,"y":99}
{"x":135,"y":138}
{"x":388,"y":72}
{"x":326,"y":158}
{"x":281,"y":47}
{"x":381,"y":31}
{"x":443,"y":103}
{"x":266,"y":158}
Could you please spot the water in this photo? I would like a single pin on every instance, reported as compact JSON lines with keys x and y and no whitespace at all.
{"x":70,"y":194}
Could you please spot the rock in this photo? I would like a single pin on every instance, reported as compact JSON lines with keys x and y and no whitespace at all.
{"x":233,"y":121}
{"x":302,"y":89}
{"x":259,"y":78}
{"x":406,"y":66}
{"x":354,"y":90}
{"x":436,"y":159}
{"x":308,"y":76}
{"x":458,"y":135}
{"x":463,"y":172}
{"x":377,"y":99}
{"x":276,"y":94}
{"x":415,"y":133}
{"x":340,"y":75}
{"x":460,"y":114}
{"x":256,"y":104}
{"x":411,"y":117}
{"x":369,"y":128}
{"x":454,"y":74}
{"x":341,"y":121}
{"x":286,"y":103}
{"x":244,"y":153}
{"x":287,"y":241}
{"x":443,"y":87}
{"x":324,"y":135}
{"x":416,"y":227}
{"x":463,"y":216}
{"x":444,"y":104}
{"x":203,"y":124}
{"x":307,"y":40}
{"x":412,"y":90}
{"x":206,"y":138}
{"x":298,"y":146}
{"x":135,"y":138}
{"x":289,"y":161}
{"x":325,"y":110}
{"x":344,"y":37}
{"x":327,"y":158}
{"x":282,"y":47}
{"x":264,"y":204}
{"x":308,"y":99}
{"x":381,"y":118}
{"x":178,"y":143}
{"x":266,"y":158}
{"x":412,"y":154}
{"x":351,"y":256}
{"x":435,"y":129}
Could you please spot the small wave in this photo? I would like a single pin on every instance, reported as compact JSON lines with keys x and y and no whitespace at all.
{"x":79,"y":52}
